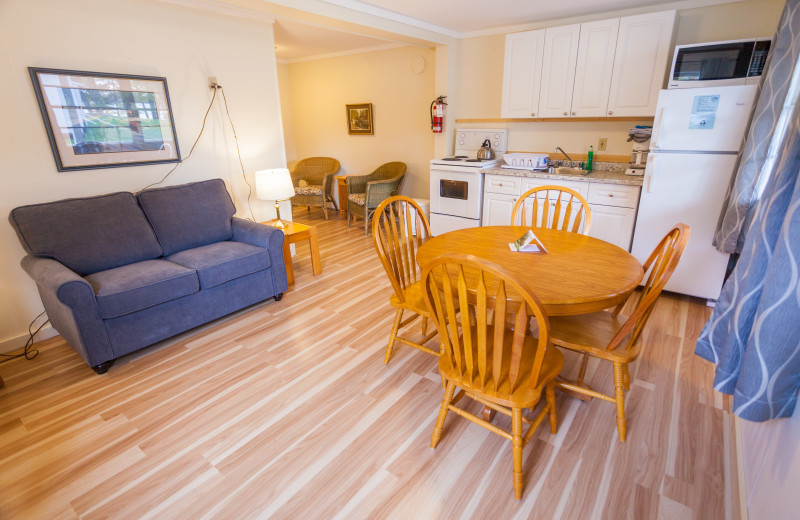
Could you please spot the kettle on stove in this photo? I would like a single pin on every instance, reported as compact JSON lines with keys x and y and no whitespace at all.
{"x":486,"y":151}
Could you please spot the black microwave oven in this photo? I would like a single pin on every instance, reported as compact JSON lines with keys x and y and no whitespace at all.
{"x":734,"y":62}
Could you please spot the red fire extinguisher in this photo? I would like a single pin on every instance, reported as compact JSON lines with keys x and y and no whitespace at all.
{"x":437,"y":114}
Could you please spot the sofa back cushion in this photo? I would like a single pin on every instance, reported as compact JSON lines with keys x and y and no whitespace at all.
{"x":88,"y":234}
{"x":189,"y":215}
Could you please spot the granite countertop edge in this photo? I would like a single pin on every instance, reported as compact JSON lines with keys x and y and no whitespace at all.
{"x":601,"y":176}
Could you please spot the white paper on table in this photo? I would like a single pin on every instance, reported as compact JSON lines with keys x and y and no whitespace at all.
{"x":528,"y":243}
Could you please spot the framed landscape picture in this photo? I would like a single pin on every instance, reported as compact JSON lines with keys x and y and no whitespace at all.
{"x":101,"y":120}
{"x":359,"y":119}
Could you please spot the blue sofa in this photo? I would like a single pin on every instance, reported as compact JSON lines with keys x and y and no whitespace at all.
{"x":119,"y":272}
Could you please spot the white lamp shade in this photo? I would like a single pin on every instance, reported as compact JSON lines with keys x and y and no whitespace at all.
{"x":275,"y":184}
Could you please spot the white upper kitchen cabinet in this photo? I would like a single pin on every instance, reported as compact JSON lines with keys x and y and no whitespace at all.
{"x":522,"y":74}
{"x":643,"y":50}
{"x":558,"y":70}
{"x":594,"y":65}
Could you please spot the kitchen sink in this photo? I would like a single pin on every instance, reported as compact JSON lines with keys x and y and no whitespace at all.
{"x":564,"y":170}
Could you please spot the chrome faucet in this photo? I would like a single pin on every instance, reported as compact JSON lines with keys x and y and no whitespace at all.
{"x":559,"y":149}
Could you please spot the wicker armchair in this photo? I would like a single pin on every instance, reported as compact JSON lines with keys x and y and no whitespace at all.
{"x":366,"y":192}
{"x":317,"y":172}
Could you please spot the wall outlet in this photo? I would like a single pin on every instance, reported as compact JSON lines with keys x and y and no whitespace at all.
{"x":602,"y":144}
{"x":212,"y":81}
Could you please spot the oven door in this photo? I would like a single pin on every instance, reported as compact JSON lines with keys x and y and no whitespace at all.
{"x":456,"y":191}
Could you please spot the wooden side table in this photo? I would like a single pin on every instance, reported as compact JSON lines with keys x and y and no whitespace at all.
{"x":341,"y":186}
{"x":293,"y":233}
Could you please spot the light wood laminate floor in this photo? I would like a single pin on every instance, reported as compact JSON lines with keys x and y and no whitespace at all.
{"x":286,"y":410}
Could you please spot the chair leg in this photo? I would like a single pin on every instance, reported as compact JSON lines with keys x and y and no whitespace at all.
{"x":516,"y":440}
{"x":348,"y":218}
{"x":325,"y":208}
{"x":448,"y":396}
{"x":550,"y":395}
{"x":424,"y":325}
{"x":398,"y":317}
{"x":627,"y":379}
{"x":582,"y":372}
{"x":619,"y":393}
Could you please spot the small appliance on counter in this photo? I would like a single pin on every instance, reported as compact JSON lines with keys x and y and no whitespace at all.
{"x":640,"y":135}
{"x":457,"y":181}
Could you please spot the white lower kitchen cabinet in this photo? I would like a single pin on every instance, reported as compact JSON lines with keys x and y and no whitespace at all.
{"x":612,"y":224}
{"x":497,"y":209}
{"x":613,"y":206}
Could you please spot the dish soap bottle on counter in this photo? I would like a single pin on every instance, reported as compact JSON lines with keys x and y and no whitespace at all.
{"x":589,"y":160}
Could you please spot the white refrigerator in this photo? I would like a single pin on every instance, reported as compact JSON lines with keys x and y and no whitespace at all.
{"x":697,"y":135}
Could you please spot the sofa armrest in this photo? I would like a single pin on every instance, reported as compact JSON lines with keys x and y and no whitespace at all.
{"x":356,"y":183}
{"x":70,"y":304}
{"x":269,"y":238}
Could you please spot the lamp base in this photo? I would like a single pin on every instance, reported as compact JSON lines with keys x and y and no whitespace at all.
{"x":278,"y":222}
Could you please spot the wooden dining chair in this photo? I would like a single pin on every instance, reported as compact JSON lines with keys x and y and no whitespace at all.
{"x":398,"y":229}
{"x":503,"y":368}
{"x":608,"y":336}
{"x":554,"y":207}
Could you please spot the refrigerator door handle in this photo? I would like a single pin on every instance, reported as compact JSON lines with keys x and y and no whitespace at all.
{"x":656,"y":135}
{"x":650,"y":172}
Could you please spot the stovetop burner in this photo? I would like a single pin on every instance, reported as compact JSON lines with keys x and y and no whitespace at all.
{"x":478,"y":160}
{"x":455,"y":158}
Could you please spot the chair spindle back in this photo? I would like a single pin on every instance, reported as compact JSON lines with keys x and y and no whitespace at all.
{"x":399,"y":228}
{"x":554,"y":207}
{"x":469,"y":299}
{"x":658,"y":269}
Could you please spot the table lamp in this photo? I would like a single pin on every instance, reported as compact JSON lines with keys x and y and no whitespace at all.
{"x":274,"y":184}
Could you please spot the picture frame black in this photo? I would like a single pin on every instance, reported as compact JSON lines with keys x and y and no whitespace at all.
{"x":105,"y":120}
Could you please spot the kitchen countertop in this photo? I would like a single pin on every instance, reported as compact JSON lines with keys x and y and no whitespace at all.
{"x":602,"y":176}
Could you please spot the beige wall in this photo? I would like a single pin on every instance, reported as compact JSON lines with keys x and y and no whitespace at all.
{"x":400,"y":98}
{"x":138,"y":37}
{"x":481,"y":78}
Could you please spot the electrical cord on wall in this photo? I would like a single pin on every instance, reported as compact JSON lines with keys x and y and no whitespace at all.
{"x":215,"y":87}
{"x":202,"y":128}
{"x":239,"y":153}
{"x":27,"y":353}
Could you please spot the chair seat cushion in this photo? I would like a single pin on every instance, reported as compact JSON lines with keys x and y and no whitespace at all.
{"x":358,"y":198}
{"x":308,"y":190}
{"x":137,"y":286}
{"x":222,"y":261}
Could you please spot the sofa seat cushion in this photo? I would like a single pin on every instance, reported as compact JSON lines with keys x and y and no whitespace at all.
{"x":134,"y":287}
{"x":223,"y":261}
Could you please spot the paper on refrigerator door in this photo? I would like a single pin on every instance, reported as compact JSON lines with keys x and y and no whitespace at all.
{"x":704,"y":112}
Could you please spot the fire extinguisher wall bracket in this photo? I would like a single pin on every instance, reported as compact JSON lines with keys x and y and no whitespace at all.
{"x":437,"y":114}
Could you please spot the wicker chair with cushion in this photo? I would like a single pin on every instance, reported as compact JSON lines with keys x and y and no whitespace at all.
{"x":317,"y":176}
{"x":366,"y":192}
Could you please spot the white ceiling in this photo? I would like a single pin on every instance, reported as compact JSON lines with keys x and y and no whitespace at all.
{"x":464,"y":16}
{"x":297,"y":40}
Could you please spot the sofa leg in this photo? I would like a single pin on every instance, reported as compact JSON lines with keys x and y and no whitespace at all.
{"x":279,"y":297}
{"x":102,"y":368}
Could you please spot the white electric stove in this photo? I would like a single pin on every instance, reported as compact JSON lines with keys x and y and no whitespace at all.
{"x":457,"y":180}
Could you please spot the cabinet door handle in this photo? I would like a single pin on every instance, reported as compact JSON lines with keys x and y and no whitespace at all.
{"x":565,"y":113}
{"x":610,"y":112}
{"x":573,"y":113}
{"x":533,"y":114}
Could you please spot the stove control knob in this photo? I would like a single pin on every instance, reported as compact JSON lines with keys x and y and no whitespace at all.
{"x":461,"y":136}
{"x":497,"y":143}
{"x":461,"y":142}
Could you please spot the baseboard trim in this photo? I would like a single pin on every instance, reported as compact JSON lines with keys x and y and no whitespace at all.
{"x":18,"y":342}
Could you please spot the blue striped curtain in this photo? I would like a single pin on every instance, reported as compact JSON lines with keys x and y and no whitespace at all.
{"x":754,"y":332}
{"x":756,"y":166}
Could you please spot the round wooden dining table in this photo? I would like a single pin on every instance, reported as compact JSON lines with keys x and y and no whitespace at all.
{"x":577,"y":275}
